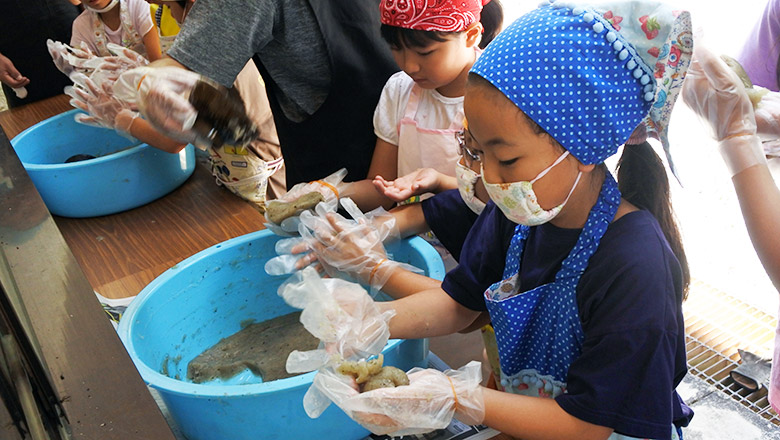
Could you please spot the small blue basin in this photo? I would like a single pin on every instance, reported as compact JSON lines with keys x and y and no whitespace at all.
{"x":123,"y":175}
{"x":207,"y":297}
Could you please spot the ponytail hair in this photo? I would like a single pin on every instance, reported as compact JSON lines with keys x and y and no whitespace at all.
{"x":491,"y":18}
{"x":643,"y":181}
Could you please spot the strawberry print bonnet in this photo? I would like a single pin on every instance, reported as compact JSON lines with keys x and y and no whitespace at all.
{"x":593,"y":76}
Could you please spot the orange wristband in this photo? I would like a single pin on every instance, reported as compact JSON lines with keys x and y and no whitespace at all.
{"x":139,"y":82}
{"x":332,"y":188}
{"x":373,"y":271}
{"x":454,"y":394}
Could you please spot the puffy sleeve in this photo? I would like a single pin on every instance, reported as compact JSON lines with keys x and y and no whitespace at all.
{"x":390,"y":109}
{"x":142,"y":17}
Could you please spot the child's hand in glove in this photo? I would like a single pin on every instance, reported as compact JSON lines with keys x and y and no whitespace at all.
{"x":340,"y":314}
{"x":104,"y":110}
{"x":716,"y":94}
{"x":428,"y":403}
{"x":282,"y":214}
{"x":187,"y":106}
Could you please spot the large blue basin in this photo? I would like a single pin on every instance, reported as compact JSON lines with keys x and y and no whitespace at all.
{"x":123,"y":175}
{"x":207,"y":297}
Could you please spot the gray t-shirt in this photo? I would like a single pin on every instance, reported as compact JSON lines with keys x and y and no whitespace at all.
{"x":220,"y":36}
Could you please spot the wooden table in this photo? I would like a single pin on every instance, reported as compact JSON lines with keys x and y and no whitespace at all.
{"x":122,"y":253}
{"x":119,"y":254}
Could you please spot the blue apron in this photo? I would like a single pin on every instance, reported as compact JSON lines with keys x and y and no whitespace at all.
{"x":539,"y":332}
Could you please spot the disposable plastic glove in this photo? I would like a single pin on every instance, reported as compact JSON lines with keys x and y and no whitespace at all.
{"x":717,"y":95}
{"x":108,"y":69}
{"x":330,"y":188}
{"x":104,"y":110}
{"x":379,"y":219}
{"x":294,"y":253}
{"x":187,"y":106}
{"x":768,"y":117}
{"x":349,"y":249}
{"x":72,"y":59}
{"x":428,"y":403}
{"x":340,"y":314}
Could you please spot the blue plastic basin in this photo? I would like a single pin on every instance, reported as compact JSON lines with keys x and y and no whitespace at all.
{"x":124,"y":174}
{"x":207,"y":297}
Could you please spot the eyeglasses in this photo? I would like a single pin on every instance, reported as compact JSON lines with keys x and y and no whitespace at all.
{"x":464,"y":139}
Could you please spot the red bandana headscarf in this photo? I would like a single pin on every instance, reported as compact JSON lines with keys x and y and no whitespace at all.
{"x":431,"y":15}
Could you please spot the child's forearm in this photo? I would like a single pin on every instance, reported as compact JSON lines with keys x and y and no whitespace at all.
{"x":409,"y":219}
{"x":365,"y":195}
{"x":534,"y":418}
{"x":403,"y":283}
{"x":152,"y":45}
{"x":446,"y":183}
{"x":427,"y":313}
{"x":144,"y":132}
{"x":759,"y":199}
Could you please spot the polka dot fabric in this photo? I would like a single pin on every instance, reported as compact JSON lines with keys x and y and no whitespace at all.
{"x":540,"y":329}
{"x":572,"y":73}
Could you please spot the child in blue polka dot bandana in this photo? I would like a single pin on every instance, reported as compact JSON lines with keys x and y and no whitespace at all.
{"x":583,"y":278}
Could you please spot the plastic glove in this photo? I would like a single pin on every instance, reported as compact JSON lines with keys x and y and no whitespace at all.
{"x":717,"y":95}
{"x":71,"y":59}
{"x":421,"y":181}
{"x":768,"y":117}
{"x":428,"y":403}
{"x":338,"y":313}
{"x":350,"y":249}
{"x":294,"y":253}
{"x":103,"y":109}
{"x":330,"y":188}
{"x":379,"y":219}
{"x":108,"y":69}
{"x":187,"y":106}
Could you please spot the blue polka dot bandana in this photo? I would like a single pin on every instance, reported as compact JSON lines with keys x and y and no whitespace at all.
{"x":589,"y":77}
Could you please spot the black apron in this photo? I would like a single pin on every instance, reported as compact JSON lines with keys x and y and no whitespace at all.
{"x":340,"y":134}
{"x":24,"y":27}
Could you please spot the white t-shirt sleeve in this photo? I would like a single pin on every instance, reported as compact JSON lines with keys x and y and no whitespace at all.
{"x":142,"y":16}
{"x":390,"y":109}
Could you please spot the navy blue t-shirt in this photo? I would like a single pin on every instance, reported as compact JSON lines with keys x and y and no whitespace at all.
{"x":449,"y":218}
{"x":629,"y":302}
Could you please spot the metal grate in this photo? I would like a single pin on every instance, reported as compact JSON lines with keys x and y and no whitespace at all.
{"x":716,"y":324}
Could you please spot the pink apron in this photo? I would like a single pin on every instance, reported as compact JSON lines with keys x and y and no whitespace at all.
{"x":130,"y":37}
{"x":426,"y":147}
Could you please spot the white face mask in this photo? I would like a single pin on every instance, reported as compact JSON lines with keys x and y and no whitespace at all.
{"x":467,"y":183}
{"x":518,"y":201}
{"x":108,"y":7}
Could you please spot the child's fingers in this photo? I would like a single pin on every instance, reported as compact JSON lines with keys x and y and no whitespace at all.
{"x":299,"y":248}
{"x":306,"y":260}
{"x":335,"y":223}
{"x":720,"y":76}
{"x":78,"y":104}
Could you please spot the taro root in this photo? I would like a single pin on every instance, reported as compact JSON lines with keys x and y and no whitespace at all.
{"x":754,"y":93}
{"x":278,"y":210}
{"x":371,"y":375}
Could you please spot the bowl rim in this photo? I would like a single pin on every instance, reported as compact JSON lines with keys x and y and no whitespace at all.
{"x":133,"y":149}
{"x":180,"y":387}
